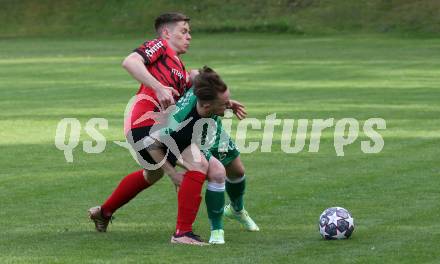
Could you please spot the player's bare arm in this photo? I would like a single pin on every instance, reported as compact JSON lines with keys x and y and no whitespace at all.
{"x":134,"y":64}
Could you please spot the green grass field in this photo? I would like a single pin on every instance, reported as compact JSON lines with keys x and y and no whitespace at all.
{"x":393,"y":195}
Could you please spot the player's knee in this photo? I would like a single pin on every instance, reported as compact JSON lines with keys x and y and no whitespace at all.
{"x":216,"y":177}
{"x":236,"y":171}
{"x":153,"y":176}
{"x":216,"y":172}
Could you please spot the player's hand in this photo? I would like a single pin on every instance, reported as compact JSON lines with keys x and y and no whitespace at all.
{"x":177,"y":178}
{"x":192,"y":75}
{"x":165,"y":96}
{"x":238,"y":109}
{"x":179,"y":175}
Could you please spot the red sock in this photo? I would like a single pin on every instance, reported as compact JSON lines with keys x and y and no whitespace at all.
{"x":188,"y":200}
{"x":127,"y":189}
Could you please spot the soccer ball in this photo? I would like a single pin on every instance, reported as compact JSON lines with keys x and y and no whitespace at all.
{"x":336,"y":223}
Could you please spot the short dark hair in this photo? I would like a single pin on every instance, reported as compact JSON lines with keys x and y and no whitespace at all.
{"x":166,"y":18}
{"x":208,"y":84}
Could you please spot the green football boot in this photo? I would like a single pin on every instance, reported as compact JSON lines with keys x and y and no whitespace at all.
{"x":217,"y":237}
{"x":242,"y":217}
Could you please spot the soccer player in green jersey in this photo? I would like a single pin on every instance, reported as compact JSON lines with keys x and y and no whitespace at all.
{"x":195,"y":119}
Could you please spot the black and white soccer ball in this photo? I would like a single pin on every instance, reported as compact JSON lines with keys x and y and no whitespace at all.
{"x":336,"y":223}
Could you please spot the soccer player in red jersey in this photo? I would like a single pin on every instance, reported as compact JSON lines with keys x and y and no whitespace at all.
{"x":156,"y":64}
{"x":166,"y":78}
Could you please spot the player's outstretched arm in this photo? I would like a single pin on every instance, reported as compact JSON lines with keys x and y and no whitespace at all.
{"x":134,"y":64}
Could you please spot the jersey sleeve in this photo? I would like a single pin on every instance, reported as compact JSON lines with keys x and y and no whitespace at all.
{"x":151,"y":50}
{"x":180,"y":114}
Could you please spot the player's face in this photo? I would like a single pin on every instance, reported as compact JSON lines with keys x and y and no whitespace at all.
{"x":179,"y":36}
{"x":219,"y":105}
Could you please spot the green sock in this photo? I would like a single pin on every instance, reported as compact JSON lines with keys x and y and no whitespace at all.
{"x":215,"y":203}
{"x":235,"y":190}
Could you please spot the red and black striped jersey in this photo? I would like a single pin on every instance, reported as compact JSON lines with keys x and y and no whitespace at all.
{"x":164,"y":65}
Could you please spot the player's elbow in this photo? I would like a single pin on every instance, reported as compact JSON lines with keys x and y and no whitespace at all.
{"x":131,"y":61}
{"x":126,"y":63}
{"x":134,"y":64}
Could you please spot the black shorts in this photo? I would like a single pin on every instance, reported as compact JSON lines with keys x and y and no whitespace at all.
{"x":139,"y":134}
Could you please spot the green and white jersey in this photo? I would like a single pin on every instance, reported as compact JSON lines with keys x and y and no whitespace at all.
{"x":186,"y":126}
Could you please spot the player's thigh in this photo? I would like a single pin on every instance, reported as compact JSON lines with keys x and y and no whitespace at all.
{"x":136,"y":138}
{"x":216,"y":171}
{"x":142,"y":155}
{"x":235,"y":169}
{"x":193,"y":159}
